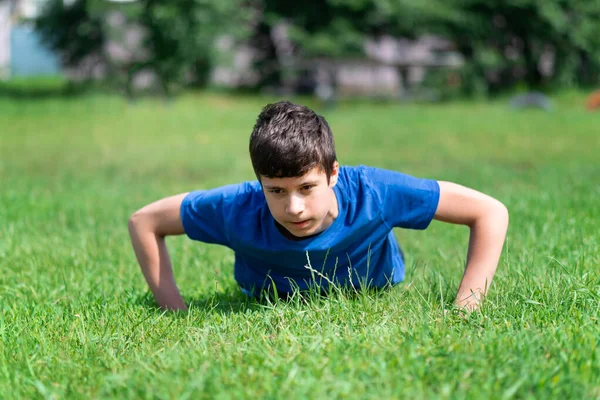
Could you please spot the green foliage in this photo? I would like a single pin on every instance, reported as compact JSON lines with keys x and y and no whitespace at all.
{"x":507,"y":41}
{"x":336,"y":28}
{"x":75,"y":31}
{"x":182,"y":35}
{"x":76,"y":320}
{"x":504,"y":42}
{"x":179,"y":35}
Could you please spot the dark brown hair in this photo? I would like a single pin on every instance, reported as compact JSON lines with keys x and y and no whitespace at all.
{"x":288,"y":140}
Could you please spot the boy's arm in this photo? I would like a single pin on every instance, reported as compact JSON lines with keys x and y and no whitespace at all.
{"x":148,"y":228}
{"x":487,"y":218}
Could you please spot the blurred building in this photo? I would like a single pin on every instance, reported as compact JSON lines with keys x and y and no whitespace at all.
{"x":5,"y":27}
{"x":391,"y":67}
{"x":22,"y":53}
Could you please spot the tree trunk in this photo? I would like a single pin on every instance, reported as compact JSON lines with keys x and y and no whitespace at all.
{"x":267,"y":63}
{"x":533,"y":77}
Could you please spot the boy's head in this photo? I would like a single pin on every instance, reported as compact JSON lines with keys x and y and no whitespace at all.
{"x":288,"y":140}
{"x":293,"y":156}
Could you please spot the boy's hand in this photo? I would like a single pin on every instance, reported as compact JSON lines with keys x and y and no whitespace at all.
{"x":487,"y":219}
{"x":148,"y":228}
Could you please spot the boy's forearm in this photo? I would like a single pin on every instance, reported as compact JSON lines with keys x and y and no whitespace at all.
{"x":153,"y":257}
{"x":485,"y":248}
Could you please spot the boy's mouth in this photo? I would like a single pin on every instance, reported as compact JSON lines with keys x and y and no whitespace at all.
{"x":300,"y":224}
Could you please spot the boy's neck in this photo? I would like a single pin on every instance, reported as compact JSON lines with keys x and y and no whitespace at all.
{"x":288,"y":235}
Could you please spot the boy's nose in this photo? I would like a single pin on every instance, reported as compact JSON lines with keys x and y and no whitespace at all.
{"x":295,"y":205}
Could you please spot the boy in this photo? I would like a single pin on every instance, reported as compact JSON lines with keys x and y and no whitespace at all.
{"x":308,"y":222}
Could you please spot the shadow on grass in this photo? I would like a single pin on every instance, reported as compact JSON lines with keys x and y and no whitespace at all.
{"x":225,"y":303}
{"x":237,"y":302}
{"x":222,"y":303}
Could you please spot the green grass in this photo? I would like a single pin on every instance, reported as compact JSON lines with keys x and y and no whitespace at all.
{"x":76,"y":320}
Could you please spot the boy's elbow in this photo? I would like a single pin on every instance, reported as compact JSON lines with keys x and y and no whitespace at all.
{"x":136,"y":220}
{"x":501,"y":213}
{"x":504,"y":212}
{"x":494,"y":213}
{"x":160,"y":218}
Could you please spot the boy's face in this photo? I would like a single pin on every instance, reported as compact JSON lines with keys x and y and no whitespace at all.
{"x":303,"y":205}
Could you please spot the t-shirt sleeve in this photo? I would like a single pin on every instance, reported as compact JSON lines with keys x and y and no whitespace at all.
{"x":407,"y":201}
{"x":204,"y":214}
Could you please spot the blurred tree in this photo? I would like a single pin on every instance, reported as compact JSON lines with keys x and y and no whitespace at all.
{"x":505,"y":42}
{"x":313,"y":28}
{"x":76,"y":31}
{"x":338,"y":28}
{"x":181,"y":35}
{"x":178,"y":36}
{"x":508,"y":42}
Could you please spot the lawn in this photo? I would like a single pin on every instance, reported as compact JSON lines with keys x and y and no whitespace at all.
{"x":76,"y":320}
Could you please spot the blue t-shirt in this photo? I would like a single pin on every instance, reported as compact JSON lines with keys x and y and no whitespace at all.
{"x":358,"y":249}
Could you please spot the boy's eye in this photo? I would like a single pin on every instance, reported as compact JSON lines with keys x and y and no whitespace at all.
{"x":304,"y":188}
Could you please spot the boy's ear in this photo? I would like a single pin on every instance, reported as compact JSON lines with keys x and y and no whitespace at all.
{"x":334,"y":174}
